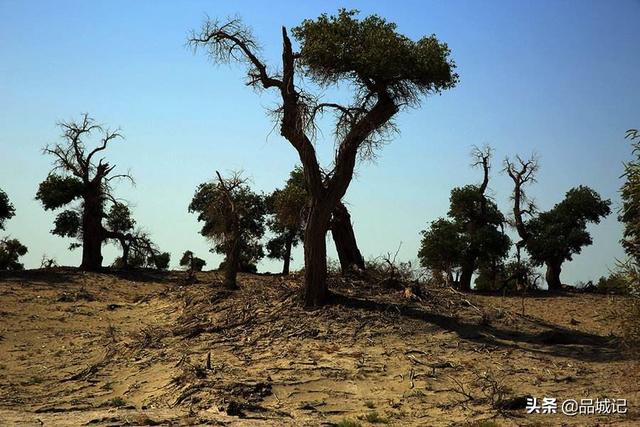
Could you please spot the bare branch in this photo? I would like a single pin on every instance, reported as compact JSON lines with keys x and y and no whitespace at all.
{"x":233,"y":42}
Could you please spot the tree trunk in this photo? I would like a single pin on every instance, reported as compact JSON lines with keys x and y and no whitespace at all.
{"x":231,"y":265}
{"x":316,"y":291}
{"x":465,"y":276}
{"x":92,"y":232}
{"x":345,"y":240}
{"x":288,"y":243}
{"x":553,"y":275}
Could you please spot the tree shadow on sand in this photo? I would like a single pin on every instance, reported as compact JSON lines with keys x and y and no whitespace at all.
{"x":553,"y":340}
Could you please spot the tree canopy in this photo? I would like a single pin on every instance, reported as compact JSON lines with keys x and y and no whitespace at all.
{"x":387,"y":70}
{"x":233,"y":218}
{"x":561,"y":232}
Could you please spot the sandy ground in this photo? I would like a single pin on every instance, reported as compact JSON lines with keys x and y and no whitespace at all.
{"x":142,"y":349}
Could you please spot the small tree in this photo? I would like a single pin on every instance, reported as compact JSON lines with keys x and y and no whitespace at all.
{"x":10,"y":249}
{"x":76,"y":177}
{"x":192,"y":262}
{"x":288,"y":209}
{"x":561,"y":232}
{"x":234,"y":218}
{"x":387,"y":72}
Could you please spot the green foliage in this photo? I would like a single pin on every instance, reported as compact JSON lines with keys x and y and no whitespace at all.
{"x":10,"y":251}
{"x":442,"y":246}
{"x":561,"y":232}
{"x":288,"y":210}
{"x":192,"y":262}
{"x":57,"y":190}
{"x":67,"y":224}
{"x":159,"y":261}
{"x":614,"y":283}
{"x":7,"y":211}
{"x":250,"y":253}
{"x":119,"y":218}
{"x":373,"y":55}
{"x":219,"y":215}
{"x":630,"y":192}
{"x":472,"y":232}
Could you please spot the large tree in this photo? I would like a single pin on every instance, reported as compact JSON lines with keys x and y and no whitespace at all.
{"x":234,"y":218}
{"x":386,"y":70}
{"x":85,"y":188}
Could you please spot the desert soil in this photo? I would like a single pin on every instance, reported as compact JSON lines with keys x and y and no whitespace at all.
{"x":145,"y":349}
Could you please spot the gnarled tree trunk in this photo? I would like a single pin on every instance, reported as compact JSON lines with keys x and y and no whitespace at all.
{"x":315,"y":255}
{"x":92,"y":231}
{"x":345,"y":240}
{"x":552,"y":275}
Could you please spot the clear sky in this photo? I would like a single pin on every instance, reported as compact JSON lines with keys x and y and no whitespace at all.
{"x":560,"y":78}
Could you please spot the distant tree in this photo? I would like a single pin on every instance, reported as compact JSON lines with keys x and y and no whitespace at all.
{"x":473,"y":236}
{"x":629,"y":213}
{"x":234,"y":219}
{"x":387,"y":71}
{"x":7,"y":211}
{"x":288,"y":211}
{"x":523,"y":173}
{"x":192,"y":262}
{"x":441,"y":248}
{"x":554,"y":236}
{"x":10,"y":249}
{"x":561,"y":232}
{"x":76,"y":177}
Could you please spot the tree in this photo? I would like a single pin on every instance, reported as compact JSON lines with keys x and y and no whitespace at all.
{"x":78,"y":182}
{"x":552,"y":237}
{"x":192,"y":262}
{"x":10,"y":249}
{"x":288,"y":209}
{"x":387,"y":71}
{"x":561,"y":232}
{"x":234,"y":218}
{"x":7,"y":211}
{"x":473,"y":236}
{"x":629,"y":213}
{"x":522,"y":173}
{"x":441,"y":248}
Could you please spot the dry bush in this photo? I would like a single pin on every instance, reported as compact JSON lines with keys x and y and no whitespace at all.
{"x":148,"y":337}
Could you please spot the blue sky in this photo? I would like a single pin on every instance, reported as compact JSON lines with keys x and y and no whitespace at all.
{"x":556,"y":77}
